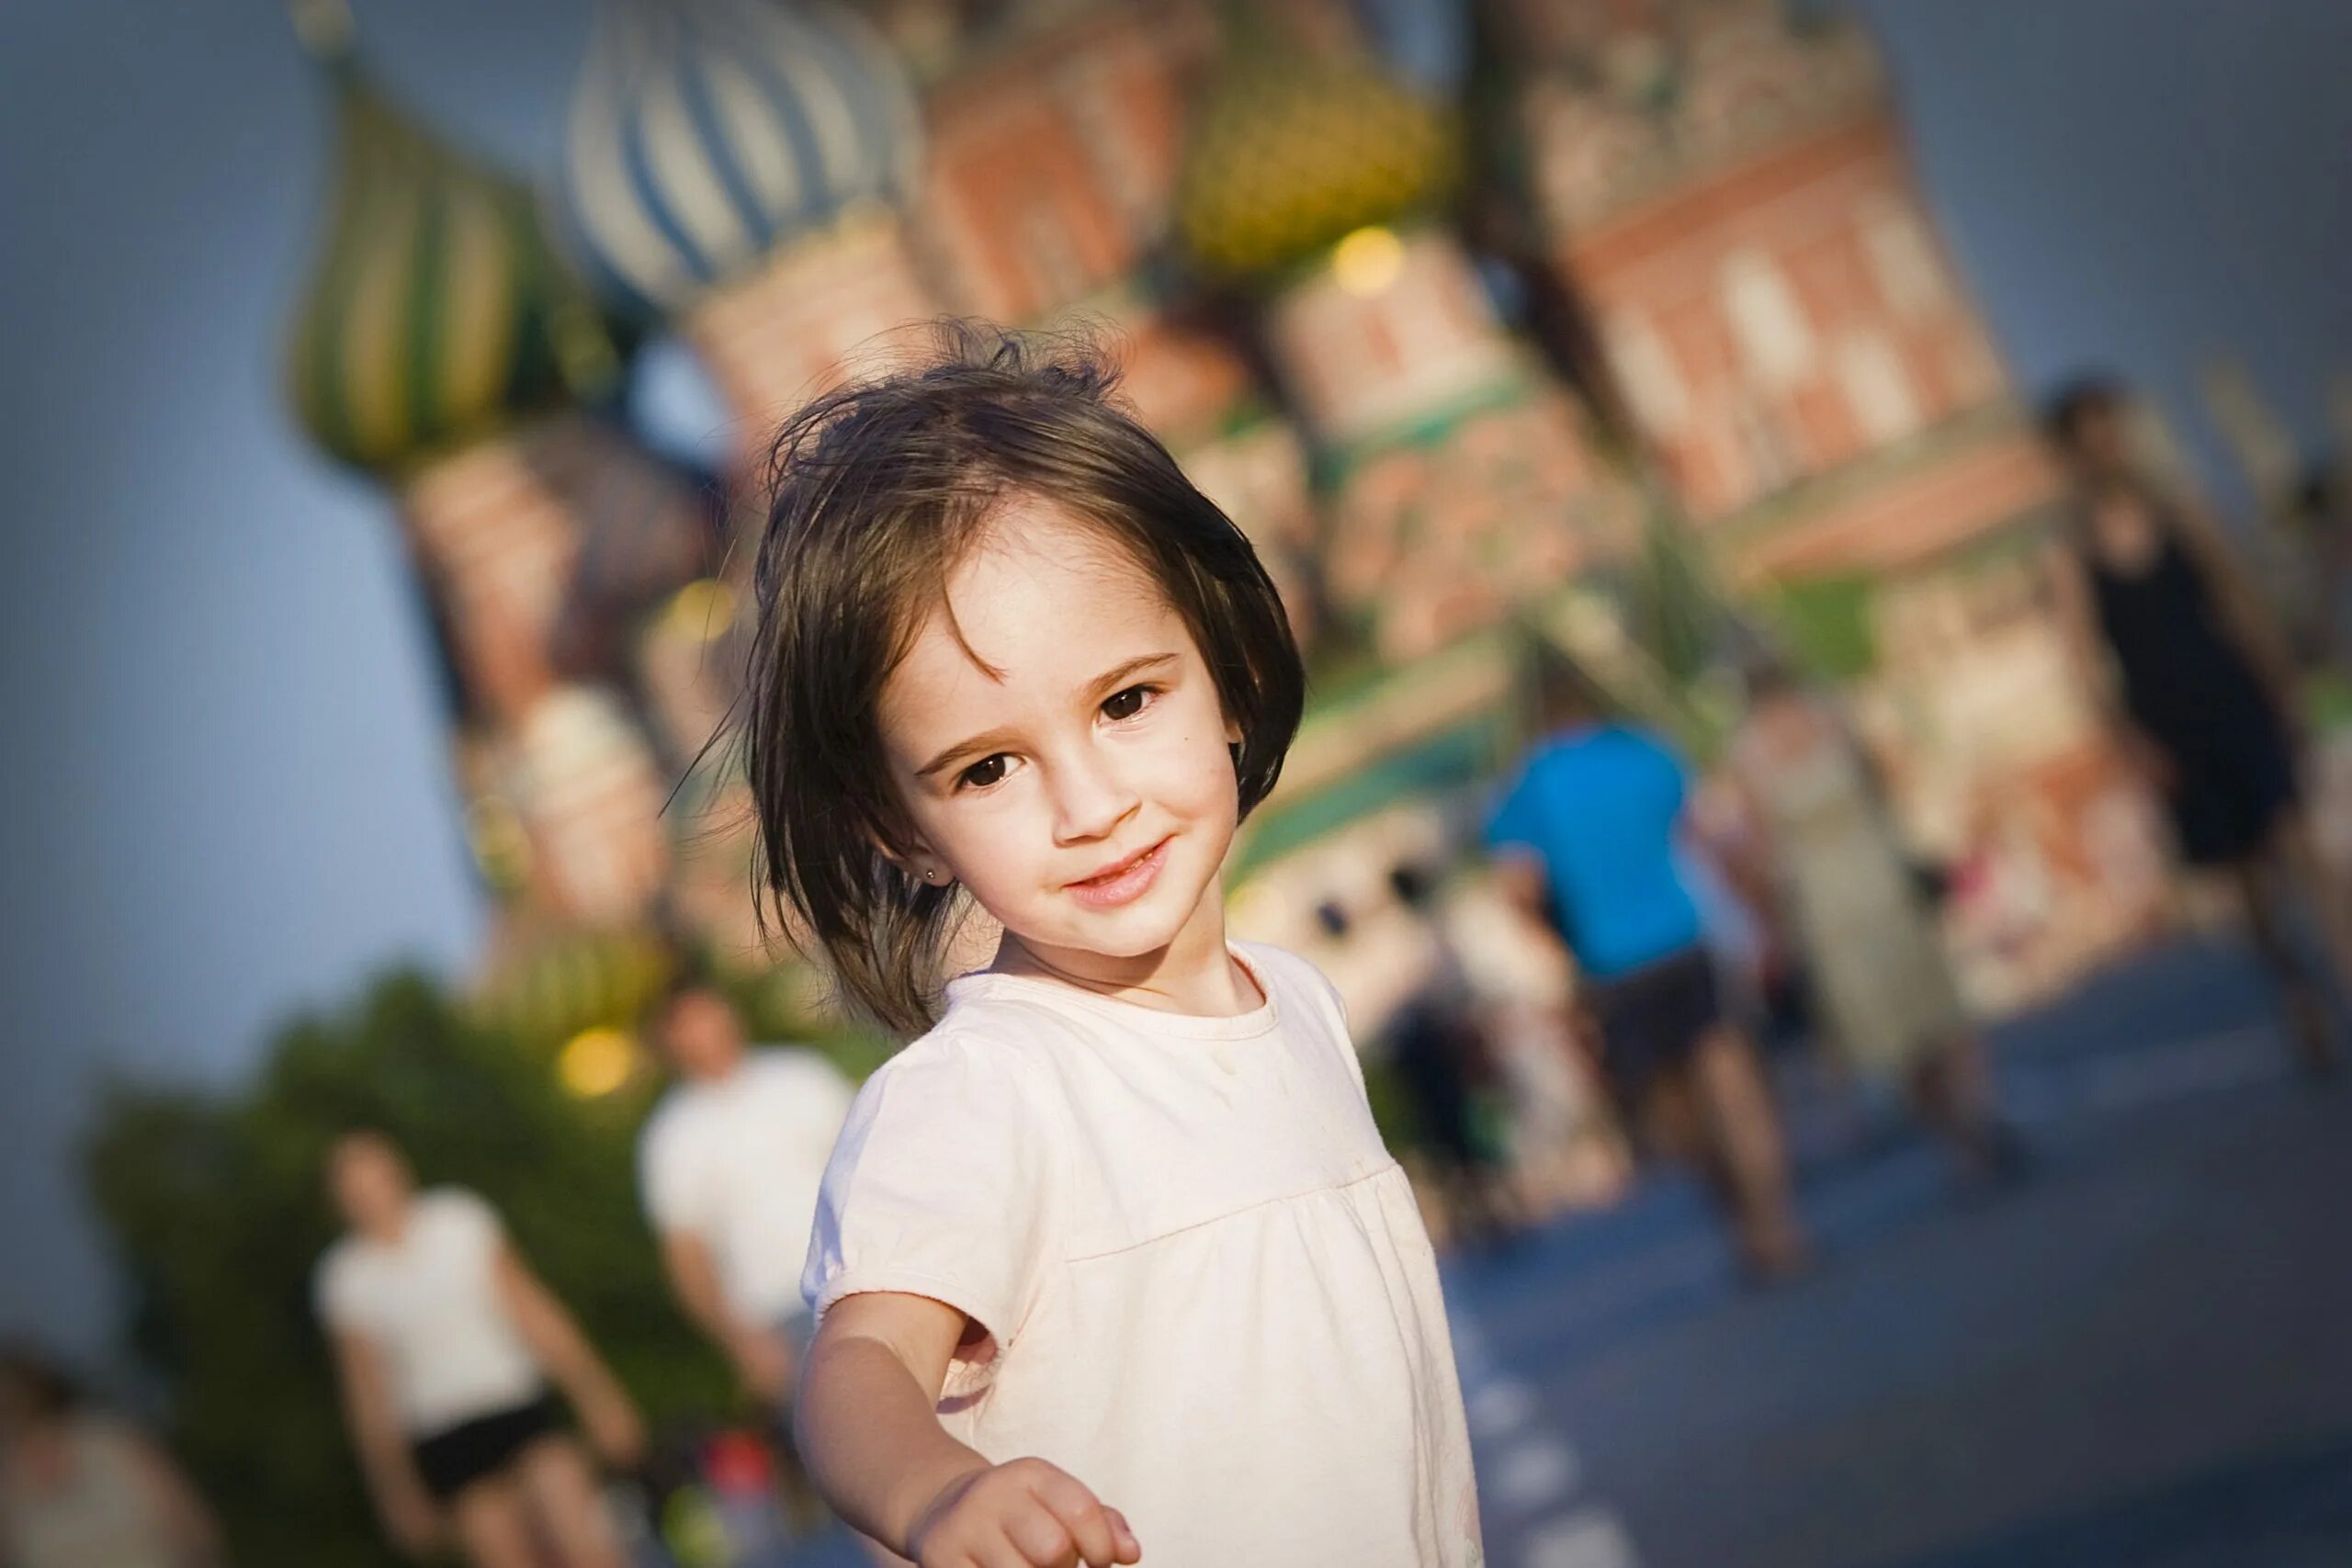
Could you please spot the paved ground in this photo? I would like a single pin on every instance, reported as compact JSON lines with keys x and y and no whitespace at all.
{"x":2142,"y":1357}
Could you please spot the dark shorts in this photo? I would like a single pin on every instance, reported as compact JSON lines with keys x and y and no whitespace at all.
{"x":2227,"y":801}
{"x":455,"y":1457}
{"x":1652,"y":1018}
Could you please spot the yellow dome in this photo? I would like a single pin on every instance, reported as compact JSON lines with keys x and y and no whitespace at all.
{"x":1289,"y":155}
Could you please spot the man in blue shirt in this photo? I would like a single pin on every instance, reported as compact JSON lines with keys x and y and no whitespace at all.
{"x":1586,"y":841}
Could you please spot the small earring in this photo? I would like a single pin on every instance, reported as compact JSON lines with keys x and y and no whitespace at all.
{"x":931,"y":876}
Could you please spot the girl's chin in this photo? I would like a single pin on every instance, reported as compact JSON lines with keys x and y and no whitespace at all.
{"x":1112,"y":936}
{"x":1152,"y":924}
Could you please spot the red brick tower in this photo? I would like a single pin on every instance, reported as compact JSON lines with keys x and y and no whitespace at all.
{"x":1728,"y":190}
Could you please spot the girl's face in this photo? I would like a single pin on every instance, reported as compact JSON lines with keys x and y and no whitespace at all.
{"x":1061,"y":750}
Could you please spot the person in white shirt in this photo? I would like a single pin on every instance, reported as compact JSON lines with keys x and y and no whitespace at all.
{"x":79,"y":1489}
{"x":729,"y":1166}
{"x":445,"y":1342}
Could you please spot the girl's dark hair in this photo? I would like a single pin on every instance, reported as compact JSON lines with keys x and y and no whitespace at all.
{"x":880,"y":486}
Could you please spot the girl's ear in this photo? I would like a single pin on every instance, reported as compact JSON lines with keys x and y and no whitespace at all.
{"x":1232,"y":732}
{"x":916,"y":859}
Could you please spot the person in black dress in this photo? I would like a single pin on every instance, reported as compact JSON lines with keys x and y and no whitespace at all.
{"x":2199,"y":690}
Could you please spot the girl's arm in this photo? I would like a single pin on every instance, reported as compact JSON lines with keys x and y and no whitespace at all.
{"x":606,"y":1410}
{"x":401,"y":1502}
{"x":867,"y":1428}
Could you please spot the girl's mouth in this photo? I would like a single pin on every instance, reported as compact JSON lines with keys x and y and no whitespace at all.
{"x":1124,"y":882}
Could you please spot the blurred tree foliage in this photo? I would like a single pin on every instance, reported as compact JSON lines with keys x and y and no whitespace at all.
{"x":218,"y":1214}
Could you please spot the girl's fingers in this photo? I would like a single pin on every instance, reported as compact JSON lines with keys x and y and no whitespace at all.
{"x":1130,"y":1550}
{"x":1087,"y":1520}
{"x":1041,"y":1538}
{"x":998,"y":1551}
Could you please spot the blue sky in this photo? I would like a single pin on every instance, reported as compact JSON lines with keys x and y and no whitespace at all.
{"x":225,"y":791}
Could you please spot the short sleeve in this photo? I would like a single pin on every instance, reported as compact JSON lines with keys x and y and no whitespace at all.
{"x":335,"y":1295}
{"x":665,"y":1174}
{"x":1336,"y":1005}
{"x":943,"y":1183}
{"x":469,"y":1220}
{"x":833,"y":1088}
{"x":818,"y":1093}
{"x":1673,"y":774}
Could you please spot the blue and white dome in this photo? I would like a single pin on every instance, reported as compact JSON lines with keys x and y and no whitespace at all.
{"x":705,"y":133}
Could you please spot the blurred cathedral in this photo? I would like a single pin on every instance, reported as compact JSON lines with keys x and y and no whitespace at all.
{"x":1615,"y":325}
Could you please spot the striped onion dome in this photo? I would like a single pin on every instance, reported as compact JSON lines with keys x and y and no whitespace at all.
{"x":705,"y":133}
{"x":1289,"y":153}
{"x":437,"y":307}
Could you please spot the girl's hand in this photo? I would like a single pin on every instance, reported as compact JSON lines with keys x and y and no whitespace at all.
{"x":1021,"y":1514}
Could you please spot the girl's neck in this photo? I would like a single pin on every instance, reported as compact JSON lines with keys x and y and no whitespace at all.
{"x":1195,"y":975}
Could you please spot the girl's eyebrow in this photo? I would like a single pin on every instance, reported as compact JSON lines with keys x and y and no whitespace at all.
{"x":982,"y":744}
{"x":1119,"y":675}
{"x":995,"y":739}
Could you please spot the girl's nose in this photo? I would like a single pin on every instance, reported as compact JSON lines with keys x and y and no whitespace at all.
{"x":1090,"y":799}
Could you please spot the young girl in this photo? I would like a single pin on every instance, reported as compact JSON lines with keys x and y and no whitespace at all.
{"x":1111,"y":1261}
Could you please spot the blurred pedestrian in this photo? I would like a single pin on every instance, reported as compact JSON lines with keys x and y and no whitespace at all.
{"x":1566,"y":1149}
{"x":445,"y":1343}
{"x":728,"y":1166}
{"x":79,"y":1489}
{"x":1585,"y":838}
{"x":1830,"y":862}
{"x":2199,"y":690}
{"x":1438,"y":1043}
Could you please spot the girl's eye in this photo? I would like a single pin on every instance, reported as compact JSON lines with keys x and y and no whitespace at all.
{"x":1129,"y":702}
{"x":982,"y":773}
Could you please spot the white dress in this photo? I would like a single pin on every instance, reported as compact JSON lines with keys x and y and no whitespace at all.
{"x":1207,"y":1286}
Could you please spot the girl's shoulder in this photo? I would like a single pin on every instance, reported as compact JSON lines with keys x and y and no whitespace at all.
{"x":982,"y":1036}
{"x":332,"y":1272}
{"x":980,"y":1077}
{"x":457,"y":1210}
{"x":1296,"y":985}
{"x":1282,"y":968}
